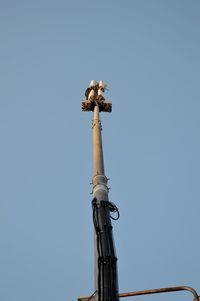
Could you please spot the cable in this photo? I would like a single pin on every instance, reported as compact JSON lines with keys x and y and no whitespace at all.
{"x":91,"y":296}
{"x":113,"y":208}
{"x":109,"y":258}
{"x":96,"y":226}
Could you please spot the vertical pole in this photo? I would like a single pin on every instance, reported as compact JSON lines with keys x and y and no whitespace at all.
{"x":100,"y":188}
{"x":106,"y":281}
{"x":98,"y":150}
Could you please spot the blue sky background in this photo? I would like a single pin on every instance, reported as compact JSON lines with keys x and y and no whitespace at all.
{"x":148,"y":53}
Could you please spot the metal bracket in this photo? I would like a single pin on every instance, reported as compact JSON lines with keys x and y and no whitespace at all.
{"x":162,"y":290}
{"x":103,"y":106}
{"x":155,"y":291}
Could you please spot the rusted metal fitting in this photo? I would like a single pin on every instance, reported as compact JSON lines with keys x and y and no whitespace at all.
{"x":87,"y":106}
{"x":162,"y":290}
{"x":154,"y":291}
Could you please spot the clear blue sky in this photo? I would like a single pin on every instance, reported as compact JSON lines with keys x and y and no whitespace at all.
{"x":149,"y":54}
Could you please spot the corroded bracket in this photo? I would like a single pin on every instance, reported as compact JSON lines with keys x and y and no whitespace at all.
{"x":103,"y":106}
